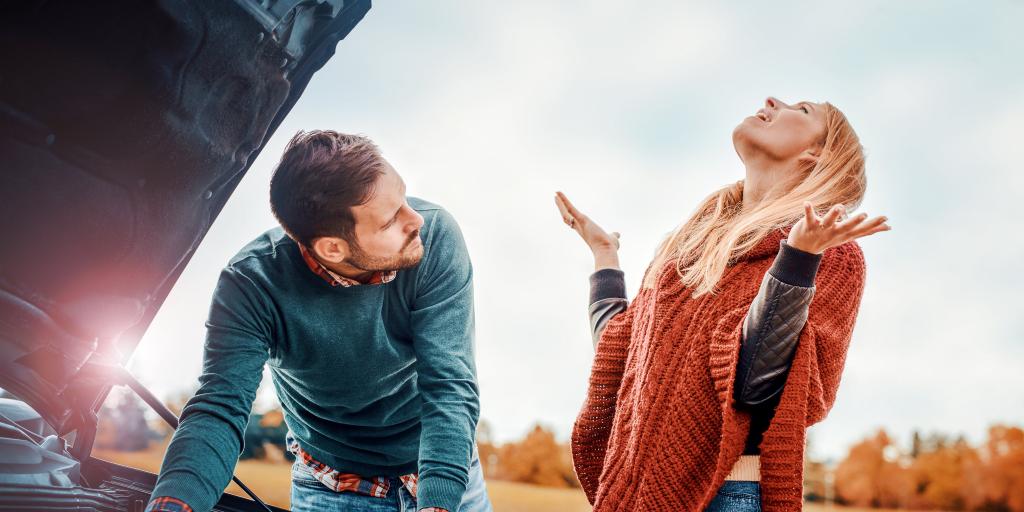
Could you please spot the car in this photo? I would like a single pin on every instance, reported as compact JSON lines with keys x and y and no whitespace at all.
{"x":124,"y":128}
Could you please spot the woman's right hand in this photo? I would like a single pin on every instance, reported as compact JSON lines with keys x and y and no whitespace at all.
{"x":604,"y":245}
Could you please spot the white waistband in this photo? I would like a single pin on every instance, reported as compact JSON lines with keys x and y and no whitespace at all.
{"x":747,"y":467}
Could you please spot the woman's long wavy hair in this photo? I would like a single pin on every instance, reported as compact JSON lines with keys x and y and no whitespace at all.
{"x":721,"y":230}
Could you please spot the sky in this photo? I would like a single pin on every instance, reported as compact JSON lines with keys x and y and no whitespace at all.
{"x":487,"y":108}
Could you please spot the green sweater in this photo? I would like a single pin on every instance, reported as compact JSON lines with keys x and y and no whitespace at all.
{"x":376,"y":379}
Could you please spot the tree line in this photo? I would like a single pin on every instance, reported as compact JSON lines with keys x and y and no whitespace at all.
{"x":935,"y":472}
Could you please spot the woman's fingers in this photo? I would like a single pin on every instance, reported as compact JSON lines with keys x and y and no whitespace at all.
{"x":829,"y":231}
{"x":862,"y":228}
{"x":809,"y":216}
{"x":591,"y":232}
{"x":832,"y":215}
{"x":851,"y":222}
{"x":567,"y":217}
{"x":870,"y":227}
{"x":570,"y":207}
{"x":859,"y":222}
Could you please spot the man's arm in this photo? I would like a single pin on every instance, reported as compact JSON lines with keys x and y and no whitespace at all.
{"x":442,"y":325}
{"x":205,"y":448}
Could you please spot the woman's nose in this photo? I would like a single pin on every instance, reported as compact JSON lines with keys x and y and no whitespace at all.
{"x":775,"y":103}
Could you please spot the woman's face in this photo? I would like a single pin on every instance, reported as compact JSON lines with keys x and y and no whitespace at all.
{"x":780,"y":132}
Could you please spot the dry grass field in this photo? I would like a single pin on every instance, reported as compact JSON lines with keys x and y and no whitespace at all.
{"x":271,"y":481}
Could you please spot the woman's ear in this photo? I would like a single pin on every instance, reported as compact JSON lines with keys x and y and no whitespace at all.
{"x":810,"y":156}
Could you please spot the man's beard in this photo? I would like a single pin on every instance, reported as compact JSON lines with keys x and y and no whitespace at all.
{"x":367,"y":262}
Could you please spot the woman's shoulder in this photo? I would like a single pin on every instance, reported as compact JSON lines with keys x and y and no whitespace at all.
{"x":848,"y":255}
{"x":842,"y":267}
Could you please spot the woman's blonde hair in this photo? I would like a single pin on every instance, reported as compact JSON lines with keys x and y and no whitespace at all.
{"x":720,"y":230}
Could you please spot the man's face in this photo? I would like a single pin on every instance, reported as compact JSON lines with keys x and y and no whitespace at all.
{"x":387,"y":229}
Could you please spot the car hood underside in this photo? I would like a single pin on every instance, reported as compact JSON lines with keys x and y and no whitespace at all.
{"x":124,"y":128}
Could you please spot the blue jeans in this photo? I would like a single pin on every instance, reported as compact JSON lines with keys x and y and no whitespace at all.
{"x":309,"y":495}
{"x":736,"y":496}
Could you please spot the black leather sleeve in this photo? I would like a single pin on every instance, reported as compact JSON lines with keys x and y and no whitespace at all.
{"x":607,"y":299}
{"x":772,"y":327}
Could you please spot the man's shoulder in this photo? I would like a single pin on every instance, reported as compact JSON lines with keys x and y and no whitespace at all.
{"x":436,"y":219}
{"x":265,"y":247}
{"x":422,"y":205}
{"x":442,"y":237}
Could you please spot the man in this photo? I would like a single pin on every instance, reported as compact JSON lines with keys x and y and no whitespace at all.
{"x":362,"y":305}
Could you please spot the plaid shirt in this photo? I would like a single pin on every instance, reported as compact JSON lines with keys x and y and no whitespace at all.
{"x":335,"y":480}
{"x":376,"y":486}
{"x":378,"y":277}
{"x":168,"y":504}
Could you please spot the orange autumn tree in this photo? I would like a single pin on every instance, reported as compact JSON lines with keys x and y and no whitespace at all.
{"x":946,"y":478}
{"x":488,"y":450}
{"x":859,"y":478}
{"x":936,"y":474}
{"x":1003,"y":458}
{"x":536,"y":459}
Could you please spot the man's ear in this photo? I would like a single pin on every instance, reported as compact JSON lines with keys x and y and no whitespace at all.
{"x":330,"y":249}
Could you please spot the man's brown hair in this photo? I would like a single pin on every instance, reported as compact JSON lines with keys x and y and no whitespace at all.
{"x":320,"y":177}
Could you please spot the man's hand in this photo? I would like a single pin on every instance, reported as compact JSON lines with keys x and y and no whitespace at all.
{"x":605,"y":246}
{"x":814,"y":234}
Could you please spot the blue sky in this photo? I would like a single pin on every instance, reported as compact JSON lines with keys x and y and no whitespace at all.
{"x":487,"y":108}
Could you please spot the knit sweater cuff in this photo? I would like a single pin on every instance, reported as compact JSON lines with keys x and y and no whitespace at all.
{"x":438,"y":491}
{"x":795,"y":267}
{"x":607,"y":283}
{"x":193,"y":496}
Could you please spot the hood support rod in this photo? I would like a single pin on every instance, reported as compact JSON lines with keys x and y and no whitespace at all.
{"x":147,"y":396}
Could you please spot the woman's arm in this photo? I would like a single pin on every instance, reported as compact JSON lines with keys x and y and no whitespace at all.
{"x":779,"y":311}
{"x":772,"y":327}
{"x":607,"y":284}
{"x":603,"y":245}
{"x":607,"y":299}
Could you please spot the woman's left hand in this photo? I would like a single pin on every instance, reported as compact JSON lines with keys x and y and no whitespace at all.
{"x":814,"y":234}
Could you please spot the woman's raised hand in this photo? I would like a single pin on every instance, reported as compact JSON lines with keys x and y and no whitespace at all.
{"x":604,"y":245}
{"x":814,"y":234}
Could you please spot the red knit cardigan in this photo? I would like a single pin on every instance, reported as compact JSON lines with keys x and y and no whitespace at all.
{"x":658,"y":430}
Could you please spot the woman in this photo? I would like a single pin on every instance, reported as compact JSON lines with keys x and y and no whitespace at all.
{"x":702,"y":388}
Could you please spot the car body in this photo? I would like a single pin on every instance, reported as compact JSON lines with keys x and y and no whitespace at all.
{"x":124,"y":128}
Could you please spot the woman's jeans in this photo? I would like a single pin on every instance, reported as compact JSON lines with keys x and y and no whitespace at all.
{"x":309,"y":495}
{"x":737,"y":496}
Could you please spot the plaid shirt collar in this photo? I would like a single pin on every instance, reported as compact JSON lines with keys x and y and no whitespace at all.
{"x":335,"y":279}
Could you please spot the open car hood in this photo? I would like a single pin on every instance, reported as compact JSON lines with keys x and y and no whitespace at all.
{"x":124,"y":128}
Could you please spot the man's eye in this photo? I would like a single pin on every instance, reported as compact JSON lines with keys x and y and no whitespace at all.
{"x":806,"y":111}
